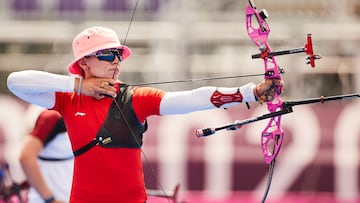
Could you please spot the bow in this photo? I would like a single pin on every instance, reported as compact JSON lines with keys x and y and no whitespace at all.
{"x":272,"y":136}
{"x":259,"y":35}
{"x":258,"y":30}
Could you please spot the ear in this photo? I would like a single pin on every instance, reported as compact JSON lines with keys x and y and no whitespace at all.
{"x":83,"y":64}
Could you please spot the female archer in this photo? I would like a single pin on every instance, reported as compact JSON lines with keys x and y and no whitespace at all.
{"x":106,"y":118}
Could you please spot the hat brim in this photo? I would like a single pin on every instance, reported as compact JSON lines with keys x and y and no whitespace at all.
{"x":74,"y":67}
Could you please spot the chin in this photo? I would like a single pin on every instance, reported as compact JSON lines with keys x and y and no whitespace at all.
{"x":115,"y":76}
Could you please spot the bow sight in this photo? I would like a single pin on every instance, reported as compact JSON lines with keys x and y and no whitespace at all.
{"x":308,"y":49}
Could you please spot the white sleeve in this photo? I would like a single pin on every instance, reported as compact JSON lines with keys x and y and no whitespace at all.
{"x":38,"y":87}
{"x":183,"y":102}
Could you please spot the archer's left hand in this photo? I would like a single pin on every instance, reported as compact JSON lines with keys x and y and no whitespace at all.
{"x":265,"y":90}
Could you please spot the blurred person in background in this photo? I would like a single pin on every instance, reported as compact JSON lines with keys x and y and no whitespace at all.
{"x":47,"y":159}
{"x":11,"y":191}
{"x":106,"y":118}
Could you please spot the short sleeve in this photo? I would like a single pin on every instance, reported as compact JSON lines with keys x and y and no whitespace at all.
{"x":146,"y":101}
{"x":45,"y":124}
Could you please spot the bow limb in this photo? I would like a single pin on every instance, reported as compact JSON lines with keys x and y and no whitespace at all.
{"x":258,"y":31}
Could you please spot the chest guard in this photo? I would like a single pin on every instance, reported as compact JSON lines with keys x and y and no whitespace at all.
{"x":121,"y":127}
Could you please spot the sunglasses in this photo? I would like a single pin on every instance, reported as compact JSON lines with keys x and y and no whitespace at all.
{"x":107,"y":54}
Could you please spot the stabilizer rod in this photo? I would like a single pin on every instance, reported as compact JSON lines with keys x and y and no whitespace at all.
{"x":287,"y":108}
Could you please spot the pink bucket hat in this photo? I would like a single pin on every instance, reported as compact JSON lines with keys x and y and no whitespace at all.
{"x":92,"y":40}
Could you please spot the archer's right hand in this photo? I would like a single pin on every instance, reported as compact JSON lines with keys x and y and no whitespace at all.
{"x":97,"y":87}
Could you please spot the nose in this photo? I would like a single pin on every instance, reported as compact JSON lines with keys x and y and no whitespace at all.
{"x":116,"y":62}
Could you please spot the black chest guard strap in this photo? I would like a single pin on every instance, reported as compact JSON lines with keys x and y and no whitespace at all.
{"x":121,"y":128}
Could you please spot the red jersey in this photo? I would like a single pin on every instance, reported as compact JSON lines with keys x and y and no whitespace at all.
{"x":105,"y":174}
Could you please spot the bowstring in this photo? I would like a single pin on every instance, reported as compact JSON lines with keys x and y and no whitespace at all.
{"x":269,"y":181}
{"x":131,"y":20}
{"x":197,"y":79}
{"x":142,"y":151}
{"x":127,"y":123}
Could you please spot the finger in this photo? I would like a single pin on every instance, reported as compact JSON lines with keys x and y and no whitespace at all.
{"x":282,"y":88}
{"x":269,"y":98}
{"x":107,"y":82}
{"x":279,"y":82}
{"x":110,"y":94}
{"x":98,"y":96}
{"x":109,"y":88}
{"x":103,"y":84}
{"x":111,"y":82}
{"x":107,"y":92}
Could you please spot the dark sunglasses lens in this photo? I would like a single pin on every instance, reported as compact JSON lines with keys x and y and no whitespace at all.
{"x":108,"y":57}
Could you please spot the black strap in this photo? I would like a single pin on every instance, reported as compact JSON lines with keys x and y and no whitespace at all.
{"x":54,"y":159}
{"x":85,"y":148}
